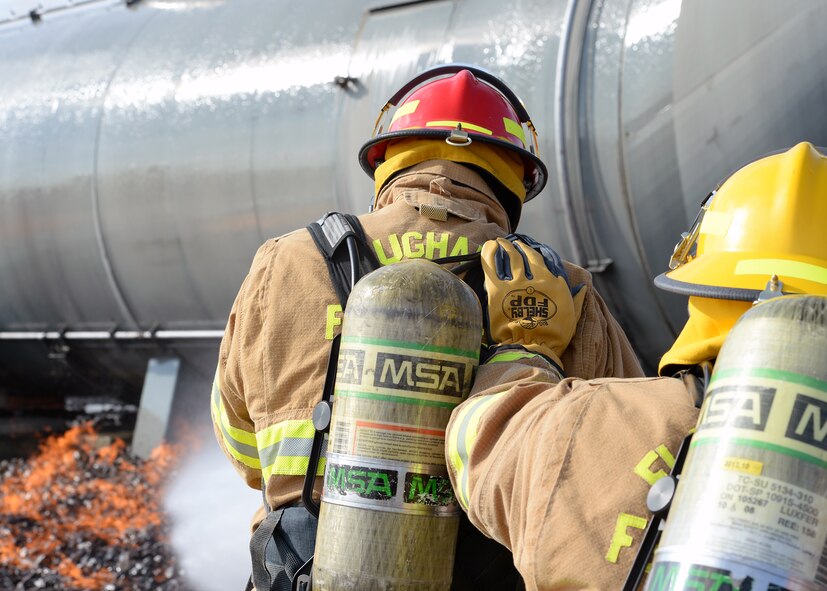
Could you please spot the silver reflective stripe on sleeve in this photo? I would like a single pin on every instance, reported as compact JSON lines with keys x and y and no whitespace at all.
{"x":239,"y":443}
{"x":461,"y":439}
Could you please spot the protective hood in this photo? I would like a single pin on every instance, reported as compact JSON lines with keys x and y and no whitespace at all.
{"x":709,"y":323}
{"x":504,"y":167}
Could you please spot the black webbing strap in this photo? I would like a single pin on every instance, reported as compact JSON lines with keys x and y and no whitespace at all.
{"x":262,"y":578}
{"x":322,"y":425}
{"x":471,"y":268}
{"x":342,"y":242}
{"x":332,"y":234}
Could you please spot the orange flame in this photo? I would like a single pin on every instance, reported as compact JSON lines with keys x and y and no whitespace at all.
{"x":74,"y":489}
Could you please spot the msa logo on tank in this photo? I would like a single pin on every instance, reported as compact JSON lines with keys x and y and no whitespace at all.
{"x":743,"y":407}
{"x":667,"y":576}
{"x":378,"y":484}
{"x":808,"y":421}
{"x":412,"y":373}
{"x":531,"y":308}
{"x":350,"y":367}
{"x":778,"y":412}
{"x":428,"y":489}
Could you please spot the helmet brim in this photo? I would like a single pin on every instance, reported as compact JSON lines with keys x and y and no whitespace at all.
{"x":741,"y":276}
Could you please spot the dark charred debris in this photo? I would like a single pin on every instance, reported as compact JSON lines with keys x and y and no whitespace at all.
{"x":85,"y":514}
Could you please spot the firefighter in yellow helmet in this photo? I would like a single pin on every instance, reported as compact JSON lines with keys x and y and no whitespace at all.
{"x":452,"y":171}
{"x":558,"y":468}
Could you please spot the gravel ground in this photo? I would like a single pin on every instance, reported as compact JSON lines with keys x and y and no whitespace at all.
{"x":84,"y":514}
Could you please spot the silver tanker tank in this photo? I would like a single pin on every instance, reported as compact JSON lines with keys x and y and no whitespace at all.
{"x":147,"y":148}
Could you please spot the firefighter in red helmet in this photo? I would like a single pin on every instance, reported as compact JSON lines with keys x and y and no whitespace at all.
{"x":452,"y":171}
{"x":483,"y":128}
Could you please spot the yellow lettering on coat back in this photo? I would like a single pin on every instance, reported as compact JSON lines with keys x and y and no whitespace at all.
{"x":432,"y":245}
{"x":334,"y":319}
{"x":460,"y":246}
{"x":412,"y":245}
{"x":644,"y":466}
{"x":396,"y":250}
{"x":621,"y":539}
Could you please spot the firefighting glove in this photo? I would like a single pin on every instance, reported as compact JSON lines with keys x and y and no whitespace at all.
{"x":530,"y":302}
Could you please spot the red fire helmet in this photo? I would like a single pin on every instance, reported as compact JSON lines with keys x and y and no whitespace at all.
{"x":460,"y":104}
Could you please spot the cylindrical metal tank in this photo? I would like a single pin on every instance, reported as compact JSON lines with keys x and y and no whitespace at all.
{"x":149,"y":147}
{"x":750,"y":500}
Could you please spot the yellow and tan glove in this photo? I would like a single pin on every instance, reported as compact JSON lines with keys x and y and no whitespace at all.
{"x":530,"y":302}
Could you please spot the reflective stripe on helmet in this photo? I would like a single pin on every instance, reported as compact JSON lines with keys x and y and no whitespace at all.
{"x":514,"y":128}
{"x":782,"y":268}
{"x":403,"y":110}
{"x":465,"y":125}
{"x":715,"y":223}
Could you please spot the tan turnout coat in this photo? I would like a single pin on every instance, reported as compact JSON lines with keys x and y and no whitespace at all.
{"x":274,"y":353}
{"x":559,"y":472}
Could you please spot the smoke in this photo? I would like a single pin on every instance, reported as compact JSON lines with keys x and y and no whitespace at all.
{"x":211,"y":507}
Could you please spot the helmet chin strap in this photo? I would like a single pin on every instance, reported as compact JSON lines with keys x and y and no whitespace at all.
{"x":375,"y":198}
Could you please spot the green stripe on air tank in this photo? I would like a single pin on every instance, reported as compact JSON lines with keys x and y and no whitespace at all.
{"x":780,"y":449}
{"x":411,"y":346}
{"x":392,"y":398}
{"x":773,"y":374}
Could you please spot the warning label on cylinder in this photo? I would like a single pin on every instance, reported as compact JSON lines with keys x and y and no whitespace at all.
{"x":768,"y":520}
{"x":390,"y":441}
{"x":767,"y":507}
{"x":398,"y":442}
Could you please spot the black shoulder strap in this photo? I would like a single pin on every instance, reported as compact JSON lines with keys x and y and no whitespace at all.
{"x":470,"y":271}
{"x":343,"y":244}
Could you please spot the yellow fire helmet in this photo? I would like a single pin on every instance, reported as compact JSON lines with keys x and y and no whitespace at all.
{"x":763,"y":225}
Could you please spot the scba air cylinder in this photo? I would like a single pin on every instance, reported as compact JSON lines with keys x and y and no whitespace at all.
{"x":750,"y":512}
{"x":409,"y":351}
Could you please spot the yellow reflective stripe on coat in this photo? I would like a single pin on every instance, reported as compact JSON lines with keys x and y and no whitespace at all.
{"x":512,"y":355}
{"x":507,"y":356}
{"x":461,"y":440}
{"x":284,"y":448}
{"x":239,"y":443}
